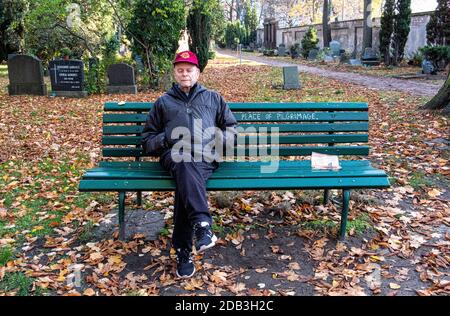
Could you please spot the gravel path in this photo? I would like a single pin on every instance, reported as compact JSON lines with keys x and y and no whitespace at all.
{"x":380,"y":83}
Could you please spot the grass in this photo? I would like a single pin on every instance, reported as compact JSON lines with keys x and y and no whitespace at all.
{"x":87,"y":233}
{"x":38,"y":205}
{"x":418,"y":180}
{"x":16,"y":282}
{"x":359,"y":225}
{"x":6,"y":254}
{"x":164,"y":231}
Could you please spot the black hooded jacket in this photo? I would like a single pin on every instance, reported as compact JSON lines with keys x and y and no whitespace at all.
{"x":176,"y":109}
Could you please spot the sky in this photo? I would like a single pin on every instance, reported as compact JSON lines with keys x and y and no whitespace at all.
{"x":423,"y":5}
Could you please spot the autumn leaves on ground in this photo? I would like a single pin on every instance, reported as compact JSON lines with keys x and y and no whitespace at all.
{"x":272,"y":243}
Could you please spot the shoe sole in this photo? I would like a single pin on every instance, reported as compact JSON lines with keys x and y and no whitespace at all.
{"x":205,"y":247}
{"x":186,"y":276}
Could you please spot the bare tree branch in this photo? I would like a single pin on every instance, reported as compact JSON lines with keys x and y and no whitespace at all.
{"x":76,"y":35}
{"x":122,"y":25}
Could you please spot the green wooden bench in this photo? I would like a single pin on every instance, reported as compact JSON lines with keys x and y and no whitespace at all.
{"x":331,"y":128}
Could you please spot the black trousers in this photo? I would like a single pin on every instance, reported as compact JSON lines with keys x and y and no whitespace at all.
{"x":191,"y":201}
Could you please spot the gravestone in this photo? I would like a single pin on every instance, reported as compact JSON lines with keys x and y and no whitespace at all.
{"x":67,"y":78}
{"x":328,"y":59}
{"x":427,"y":67}
{"x":335,"y":47}
{"x":369,"y":54}
{"x":290,"y":78}
{"x":121,"y":79}
{"x":281,"y":50}
{"x":370,"y":57}
{"x":355,"y":62}
{"x":25,"y":76}
{"x":312,"y":55}
{"x":344,"y":58}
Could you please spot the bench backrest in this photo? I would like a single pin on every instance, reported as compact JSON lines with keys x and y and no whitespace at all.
{"x":336,"y":128}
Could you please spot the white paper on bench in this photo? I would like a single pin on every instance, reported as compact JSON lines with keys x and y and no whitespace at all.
{"x":323,"y":161}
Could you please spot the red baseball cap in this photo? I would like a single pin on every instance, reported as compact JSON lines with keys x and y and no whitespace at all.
{"x":186,"y":57}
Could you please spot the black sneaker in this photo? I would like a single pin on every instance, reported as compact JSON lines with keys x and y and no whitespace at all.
{"x":204,"y":237}
{"x":185,"y":266}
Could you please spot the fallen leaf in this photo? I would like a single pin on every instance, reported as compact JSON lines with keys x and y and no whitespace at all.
{"x":292,"y":276}
{"x":89,"y":292}
{"x":219,"y":277}
{"x":377,"y":258}
{"x":294,"y":266}
{"x":237,"y":287}
{"x":194,"y":284}
{"x":275,"y":249}
{"x":394,"y":286}
{"x":37,"y":228}
{"x":434,"y":192}
{"x":96,"y":256}
{"x":115,"y":259}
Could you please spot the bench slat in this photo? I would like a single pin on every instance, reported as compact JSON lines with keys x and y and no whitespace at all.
{"x":252,"y":106}
{"x":282,"y":128}
{"x":283,"y":139}
{"x":124,"y":118}
{"x":238,"y":184}
{"x":109,"y":173}
{"x":259,"y":117}
{"x":283,"y":164}
{"x":306,"y":127}
{"x":122,"y":129}
{"x":283,"y":151}
{"x":293,"y":116}
{"x":121,"y":140}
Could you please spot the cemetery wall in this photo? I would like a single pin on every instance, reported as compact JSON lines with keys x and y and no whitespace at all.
{"x":350,"y":32}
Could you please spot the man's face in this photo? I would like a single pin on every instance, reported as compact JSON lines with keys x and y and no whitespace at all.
{"x":186,"y":74}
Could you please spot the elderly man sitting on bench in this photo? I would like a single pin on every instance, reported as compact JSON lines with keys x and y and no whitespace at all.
{"x":202,"y":118}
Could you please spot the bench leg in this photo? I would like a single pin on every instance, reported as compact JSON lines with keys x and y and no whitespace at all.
{"x":139,"y":198}
{"x":326,"y":194}
{"x":346,"y":201}
{"x":122,"y":215}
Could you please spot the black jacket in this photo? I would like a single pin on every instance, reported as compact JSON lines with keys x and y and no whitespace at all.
{"x":176,"y":109}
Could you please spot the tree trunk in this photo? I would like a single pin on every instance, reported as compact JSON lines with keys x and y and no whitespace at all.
{"x":441,"y":101}
{"x":325,"y":24}
{"x":231,"y":11}
{"x":367,"y":30}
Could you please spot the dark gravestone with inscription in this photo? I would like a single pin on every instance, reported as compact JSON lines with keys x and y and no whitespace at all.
{"x":290,"y":77}
{"x":370,"y":57}
{"x":67,"y":78}
{"x":121,"y":79}
{"x":25,"y":76}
